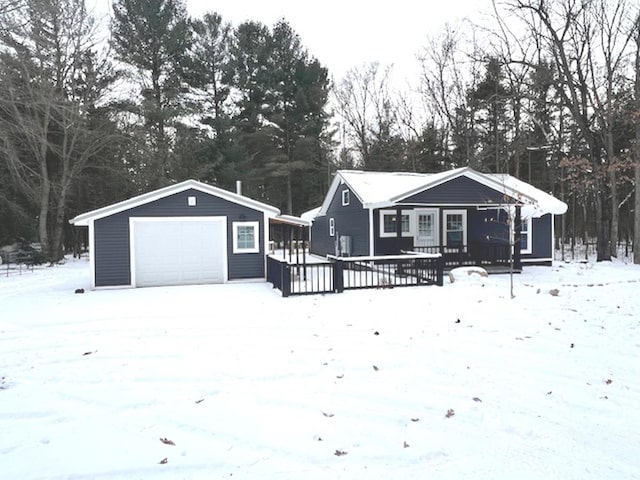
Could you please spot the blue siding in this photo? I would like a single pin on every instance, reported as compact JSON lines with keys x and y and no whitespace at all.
{"x":487,"y":226}
{"x":458,"y":191}
{"x":542,"y":241}
{"x":351,"y":220}
{"x":389,"y":245}
{"x":111,"y":243}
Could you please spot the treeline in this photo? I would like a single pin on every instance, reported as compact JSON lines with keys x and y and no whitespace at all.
{"x":546,"y":91}
{"x":85,"y":121}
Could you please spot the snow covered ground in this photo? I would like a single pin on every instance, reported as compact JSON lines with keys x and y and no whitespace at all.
{"x":448,"y":382}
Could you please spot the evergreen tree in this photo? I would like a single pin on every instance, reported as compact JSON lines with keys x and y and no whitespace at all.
{"x":153,"y":38}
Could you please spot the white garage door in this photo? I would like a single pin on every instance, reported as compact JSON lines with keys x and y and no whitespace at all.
{"x":178,"y":251}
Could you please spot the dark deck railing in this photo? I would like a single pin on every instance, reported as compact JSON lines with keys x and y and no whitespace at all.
{"x":339,"y":274}
{"x":480,"y":254}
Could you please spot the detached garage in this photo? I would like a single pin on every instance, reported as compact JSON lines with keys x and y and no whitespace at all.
{"x":185,"y":234}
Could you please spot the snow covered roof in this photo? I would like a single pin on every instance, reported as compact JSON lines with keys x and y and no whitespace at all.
{"x":309,"y":215}
{"x":382,"y":189}
{"x":544,"y":203}
{"x":85,"y":218}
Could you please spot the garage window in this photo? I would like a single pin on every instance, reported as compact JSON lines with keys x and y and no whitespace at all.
{"x":245,"y":237}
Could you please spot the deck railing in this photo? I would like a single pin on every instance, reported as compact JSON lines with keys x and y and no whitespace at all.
{"x":340,"y":273}
{"x":482,"y":254}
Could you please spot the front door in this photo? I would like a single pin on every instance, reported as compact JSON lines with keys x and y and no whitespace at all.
{"x":426,"y":227}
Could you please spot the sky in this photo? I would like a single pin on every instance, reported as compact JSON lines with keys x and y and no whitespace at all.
{"x":347,"y":34}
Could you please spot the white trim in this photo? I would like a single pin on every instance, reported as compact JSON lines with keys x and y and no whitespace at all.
{"x":478,"y":177}
{"x":332,"y":227}
{"x":132,"y":235}
{"x":92,"y":255}
{"x":85,"y":218}
{"x":535,"y":260}
{"x":338,"y":180}
{"x":256,"y":240}
{"x":436,"y":223}
{"x":445,"y":214}
{"x":390,"y":257}
{"x":553,"y":236}
{"x":372,"y":243}
{"x":345,"y":198}
{"x":403,"y":213}
{"x":529,"y":249}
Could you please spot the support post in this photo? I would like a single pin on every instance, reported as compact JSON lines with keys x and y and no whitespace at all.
{"x":338,"y":278}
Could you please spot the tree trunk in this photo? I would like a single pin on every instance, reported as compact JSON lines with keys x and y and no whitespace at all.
{"x":636,"y":223}
{"x":615,"y":212}
{"x":603,"y":245}
{"x":45,"y":193}
{"x":636,"y":229}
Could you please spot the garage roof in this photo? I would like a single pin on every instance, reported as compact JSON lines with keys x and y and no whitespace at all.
{"x":88,"y":217}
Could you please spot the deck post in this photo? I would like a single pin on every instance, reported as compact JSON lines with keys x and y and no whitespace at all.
{"x":286,"y":278}
{"x":440,"y":271}
{"x":338,"y":278}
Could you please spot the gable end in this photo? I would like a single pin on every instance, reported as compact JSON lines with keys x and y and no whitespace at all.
{"x":461,"y":190}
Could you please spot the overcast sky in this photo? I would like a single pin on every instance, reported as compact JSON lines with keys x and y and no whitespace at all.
{"x":347,"y":33}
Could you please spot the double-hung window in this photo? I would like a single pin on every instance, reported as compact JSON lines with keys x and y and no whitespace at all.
{"x":455,"y":228}
{"x":389,"y":223}
{"x":246,"y":236}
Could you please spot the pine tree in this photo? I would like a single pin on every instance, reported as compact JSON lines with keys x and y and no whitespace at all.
{"x":153,"y":38}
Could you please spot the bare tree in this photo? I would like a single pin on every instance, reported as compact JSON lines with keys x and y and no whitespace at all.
{"x":51,"y":85}
{"x":636,"y":229}
{"x":587,"y":42}
{"x":363,"y":101}
{"x":444,"y":84}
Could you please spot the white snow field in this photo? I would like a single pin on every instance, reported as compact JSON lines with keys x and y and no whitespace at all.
{"x":234,"y":381}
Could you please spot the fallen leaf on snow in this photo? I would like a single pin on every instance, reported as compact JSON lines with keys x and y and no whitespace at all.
{"x":163,"y":461}
{"x":166,"y":441}
{"x":450,"y":413}
{"x":328,"y":415}
{"x":405,"y":445}
{"x":375,"y":368}
{"x":88,"y":353}
{"x":339,"y":453}
{"x":415,"y":419}
{"x":608,"y":381}
{"x":476,"y":399}
{"x":200,"y":401}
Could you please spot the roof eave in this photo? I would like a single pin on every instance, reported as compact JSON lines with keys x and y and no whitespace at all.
{"x":85,"y":218}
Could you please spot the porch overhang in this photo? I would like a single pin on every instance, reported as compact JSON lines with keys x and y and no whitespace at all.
{"x":289,"y":220}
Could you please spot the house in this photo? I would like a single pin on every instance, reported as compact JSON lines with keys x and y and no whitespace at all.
{"x":187,"y":233}
{"x":463,"y":214}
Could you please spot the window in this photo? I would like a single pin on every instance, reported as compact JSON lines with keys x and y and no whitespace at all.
{"x":245,"y":237}
{"x":191,"y":201}
{"x":345,"y":198}
{"x":388,"y":226}
{"x":425,"y":225}
{"x":455,"y":228}
{"x":525,"y":236}
{"x":332,"y":227}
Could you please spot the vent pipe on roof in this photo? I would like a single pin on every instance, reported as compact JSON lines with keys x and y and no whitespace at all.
{"x":239,"y":187}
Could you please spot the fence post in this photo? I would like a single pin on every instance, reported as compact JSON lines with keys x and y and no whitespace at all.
{"x":440,"y":271}
{"x":286,"y":279}
{"x":338,"y":279}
